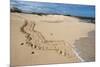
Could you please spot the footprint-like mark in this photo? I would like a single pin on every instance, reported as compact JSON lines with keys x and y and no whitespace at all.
{"x":37,"y":41}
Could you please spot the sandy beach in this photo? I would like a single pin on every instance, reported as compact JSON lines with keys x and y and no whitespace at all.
{"x":50,"y":39}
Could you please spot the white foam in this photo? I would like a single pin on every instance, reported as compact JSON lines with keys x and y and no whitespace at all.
{"x":76,"y":53}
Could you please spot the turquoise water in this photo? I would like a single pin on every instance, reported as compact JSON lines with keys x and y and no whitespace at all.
{"x":55,"y":8}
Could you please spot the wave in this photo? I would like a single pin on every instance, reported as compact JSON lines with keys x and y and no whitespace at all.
{"x":54,"y":8}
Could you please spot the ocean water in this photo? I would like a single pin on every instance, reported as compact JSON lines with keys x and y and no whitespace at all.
{"x":55,"y":8}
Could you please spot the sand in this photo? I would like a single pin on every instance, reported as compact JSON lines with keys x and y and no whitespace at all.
{"x":85,"y":47}
{"x":50,"y":39}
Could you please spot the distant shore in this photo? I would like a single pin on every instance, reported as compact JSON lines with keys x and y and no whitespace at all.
{"x":87,"y":19}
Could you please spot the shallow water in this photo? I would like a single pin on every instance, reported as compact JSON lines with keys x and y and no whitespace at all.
{"x":85,"y":46}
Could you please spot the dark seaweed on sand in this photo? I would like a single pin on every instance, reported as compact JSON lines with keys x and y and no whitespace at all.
{"x":14,"y":9}
{"x":87,"y":19}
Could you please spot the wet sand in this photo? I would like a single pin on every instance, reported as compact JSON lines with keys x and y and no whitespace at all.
{"x":50,"y":39}
{"x":85,"y":47}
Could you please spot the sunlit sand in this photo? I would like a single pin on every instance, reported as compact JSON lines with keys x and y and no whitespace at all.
{"x":50,"y":39}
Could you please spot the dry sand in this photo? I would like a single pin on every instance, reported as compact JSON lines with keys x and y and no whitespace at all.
{"x":50,"y":39}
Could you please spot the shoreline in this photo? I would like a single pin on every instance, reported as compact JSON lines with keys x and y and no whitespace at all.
{"x":86,"y":19}
{"x":89,"y":19}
